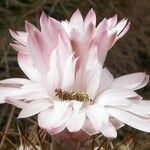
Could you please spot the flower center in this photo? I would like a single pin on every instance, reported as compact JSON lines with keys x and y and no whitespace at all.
{"x":72,"y":95}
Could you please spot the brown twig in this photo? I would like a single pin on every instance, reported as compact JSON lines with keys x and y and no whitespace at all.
{"x":7,"y":127}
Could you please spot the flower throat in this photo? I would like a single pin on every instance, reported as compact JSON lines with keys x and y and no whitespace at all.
{"x":72,"y":95}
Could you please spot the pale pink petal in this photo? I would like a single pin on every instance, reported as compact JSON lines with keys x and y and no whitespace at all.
{"x":104,"y":42}
{"x":63,"y":52}
{"x":20,"y":48}
{"x":130,"y":119}
{"x":21,"y":37}
{"x":102,"y":26}
{"x":92,"y":62}
{"x":30,"y":27}
{"x":75,"y":121}
{"x":79,"y":44}
{"x":27,"y":67}
{"x":89,"y":33}
{"x":49,"y":30}
{"x":92,"y":71}
{"x":112,"y":21}
{"x":77,"y":21}
{"x":90,"y":18}
{"x":119,"y":27}
{"x":38,"y":51}
{"x":124,"y":31}
{"x":131,"y":81}
{"x":34,"y":107}
{"x":66,"y":40}
{"x":111,"y":40}
{"x":43,"y":20}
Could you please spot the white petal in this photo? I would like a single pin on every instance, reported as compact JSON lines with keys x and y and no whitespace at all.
{"x":131,"y":81}
{"x":18,"y":104}
{"x":134,"y":108}
{"x":66,"y":26}
{"x":76,"y":121}
{"x":37,"y":95}
{"x":93,"y":79}
{"x":119,"y":27}
{"x":97,"y":115}
{"x":76,"y":105}
{"x":106,"y":79}
{"x":34,"y":107}
{"x":114,"y":102}
{"x":124,"y":31}
{"x":130,"y":119}
{"x":117,"y":94}
{"x":53,"y":74}
{"x":45,"y":120}
{"x":5,"y":92}
{"x":60,"y":107}
{"x":89,"y":128}
{"x":108,"y":130}
{"x":69,"y":73}
{"x":14,"y":81}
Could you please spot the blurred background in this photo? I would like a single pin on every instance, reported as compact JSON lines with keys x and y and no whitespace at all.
{"x":130,"y":54}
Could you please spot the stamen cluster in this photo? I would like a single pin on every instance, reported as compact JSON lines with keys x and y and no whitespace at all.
{"x":72,"y":95}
